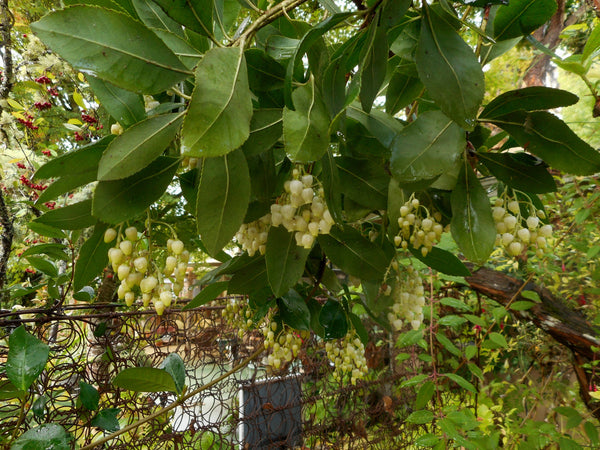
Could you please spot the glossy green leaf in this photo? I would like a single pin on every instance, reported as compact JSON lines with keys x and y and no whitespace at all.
{"x":498,"y":339}
{"x":120,"y":200}
{"x":449,"y":70}
{"x":266,"y":128}
{"x":207,"y":294}
{"x":264,"y":72}
{"x":85,"y":294}
{"x":112,"y":46}
{"x":145,"y":379}
{"x":308,"y":40}
{"x":218,"y":118}
{"x":222,"y":199}
{"x":382,"y":126}
{"x":363,"y":181}
{"x":106,"y":420}
{"x":472,"y":224}
{"x":455,"y":303}
{"x":84,"y":159}
{"x":27,"y":357}
{"x":138,"y":146}
{"x":66,"y":184}
{"x":521,"y":17}
{"x":591,"y":50}
{"x":44,"y":437}
{"x":174,"y":366}
{"x":197,"y":15}
{"x":443,"y":261}
{"x":424,"y":395}
{"x":89,"y":396}
{"x":393,"y":11}
{"x":354,"y":253}
{"x":71,"y":217}
{"x":124,"y":106}
{"x":548,"y":137}
{"x":461,"y":382}
{"x":420,"y":417}
{"x":533,"y":98}
{"x":426,"y":148}
{"x":448,"y":344}
{"x":333,"y":320}
{"x":306,"y":129}
{"x":188,"y":55}
{"x":46,"y":230}
{"x":519,"y":172}
{"x":43,"y":265}
{"x":285,"y":260}
{"x":294,"y":311}
{"x":53,"y":250}
{"x":249,"y":278}
{"x":330,"y":178}
{"x":522,"y":305}
{"x":333,"y":86}
{"x":402,"y":90}
{"x":93,"y":258}
{"x":373,"y":65}
{"x":153,"y":16}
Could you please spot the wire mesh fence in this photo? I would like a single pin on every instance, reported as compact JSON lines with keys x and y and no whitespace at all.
{"x":301,"y":406}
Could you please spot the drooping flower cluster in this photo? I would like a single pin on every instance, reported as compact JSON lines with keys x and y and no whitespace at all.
{"x":301,"y":209}
{"x":284,"y":344}
{"x":238,"y":315}
{"x":409,"y":299}
{"x":348,"y":357}
{"x":516,"y":231}
{"x":418,"y":227}
{"x":140,"y":276}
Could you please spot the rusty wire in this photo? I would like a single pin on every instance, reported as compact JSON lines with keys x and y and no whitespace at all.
{"x":323,"y":415}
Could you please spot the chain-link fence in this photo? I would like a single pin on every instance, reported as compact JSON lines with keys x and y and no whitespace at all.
{"x":299,"y":407}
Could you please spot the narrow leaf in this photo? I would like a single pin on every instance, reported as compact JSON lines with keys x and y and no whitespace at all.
{"x":461,"y":382}
{"x":218,"y":118}
{"x":138,"y":146}
{"x":145,"y":379}
{"x":207,"y":294}
{"x":533,"y":98}
{"x":92,"y":259}
{"x":374,"y":64}
{"x":285,"y":260}
{"x":222,"y":199}
{"x":197,"y":15}
{"x":443,"y":261}
{"x":472,"y":223}
{"x":71,"y":217}
{"x":124,"y":106}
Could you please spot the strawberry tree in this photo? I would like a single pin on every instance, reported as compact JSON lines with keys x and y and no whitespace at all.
{"x":349,"y":137}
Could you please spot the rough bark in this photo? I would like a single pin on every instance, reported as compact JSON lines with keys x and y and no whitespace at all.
{"x":553,"y":316}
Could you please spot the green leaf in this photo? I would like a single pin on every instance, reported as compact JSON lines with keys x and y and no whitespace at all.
{"x":591,"y":50}
{"x":111,"y":46}
{"x":154,"y":17}
{"x":76,"y":163}
{"x":182,"y":49}
{"x":449,"y":70}
{"x":27,"y":357}
{"x":455,"y":303}
{"x":85,"y":294}
{"x":145,"y":379}
{"x":533,"y":98}
{"x":402,"y":90}
{"x":250,"y":278}
{"x":71,"y":217}
{"x":461,"y":382}
{"x":360,"y":329}
{"x":197,"y":15}
{"x":443,"y":261}
{"x":448,"y":345}
{"x":451,"y":320}
{"x":89,"y":396}
{"x":9,"y":391}
{"x":548,"y":137}
{"x":333,"y":320}
{"x":107,"y":420}
{"x":420,"y":417}
{"x":120,"y":200}
{"x":427,"y":440}
{"x":382,"y":126}
{"x":354,"y":254}
{"x":93,"y":258}
{"x":219,"y":114}
{"x":285,"y":260}
{"x":521,"y":17}
{"x":308,"y":40}
{"x":43,"y":265}
{"x":46,"y":230}
{"x":426,"y":148}
{"x":424,"y":395}
{"x":264,"y":72}
{"x":591,"y":431}
{"x":472,"y":224}
{"x":124,"y":106}
{"x":294,"y":310}
{"x":330,"y":178}
{"x":572,"y":415}
{"x":306,"y":130}
{"x":207,"y":294}
{"x":498,"y":339}
{"x":333,"y":86}
{"x":174,"y":366}
{"x":55,"y":251}
{"x":519,"y":171}
{"x":138,"y":146}
{"x":266,"y":128}
{"x":66,"y":184}
{"x":531,"y":295}
{"x":222,"y":199}
{"x":44,"y":437}
{"x":364,"y":181}
{"x":521,"y":306}
{"x":374,"y":64}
